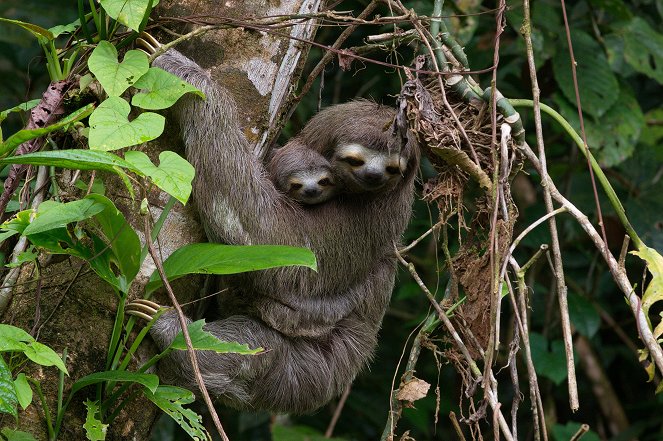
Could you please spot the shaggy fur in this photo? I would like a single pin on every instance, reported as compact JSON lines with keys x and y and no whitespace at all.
{"x":320,"y":328}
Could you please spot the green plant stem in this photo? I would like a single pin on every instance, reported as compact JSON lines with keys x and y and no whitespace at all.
{"x":61,"y":382}
{"x":95,"y":16}
{"x":44,"y":405}
{"x":610,"y":192}
{"x":83,"y":20}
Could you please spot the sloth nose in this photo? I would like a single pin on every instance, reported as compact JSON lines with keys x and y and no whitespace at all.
{"x":311,"y":192}
{"x":373,"y":177}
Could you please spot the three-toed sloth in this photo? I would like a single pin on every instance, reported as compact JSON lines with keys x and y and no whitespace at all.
{"x":319,"y":328}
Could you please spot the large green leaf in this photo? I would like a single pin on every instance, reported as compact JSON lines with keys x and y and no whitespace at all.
{"x":110,"y":128}
{"x":116,"y":77}
{"x":171,"y":399}
{"x":58,"y":215}
{"x":213,"y":258}
{"x":204,"y":341}
{"x":160,"y":90}
{"x":8,"y":398}
{"x":598,"y":86}
{"x":76,"y":159}
{"x":120,"y":237}
{"x":45,"y":356}
{"x":24,"y":135}
{"x":643,"y":48}
{"x":128,"y":12}
{"x":150,"y":381}
{"x":173,"y":175}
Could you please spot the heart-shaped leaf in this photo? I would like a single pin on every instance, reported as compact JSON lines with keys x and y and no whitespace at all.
{"x":161,"y":90}
{"x":173,"y":175}
{"x":128,"y":12}
{"x":110,"y":129}
{"x":116,"y":77}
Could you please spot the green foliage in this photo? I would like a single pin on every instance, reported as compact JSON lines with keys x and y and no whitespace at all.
{"x":16,"y":435}
{"x":128,"y":12}
{"x":95,"y":430}
{"x":204,"y":341}
{"x":160,"y":90}
{"x":171,"y":399}
{"x":8,"y":398}
{"x":299,"y":433}
{"x":173,"y":174}
{"x":115,"y":76}
{"x":566,"y":432}
{"x":549,"y":357}
{"x":110,"y":129}
{"x":211,"y":258}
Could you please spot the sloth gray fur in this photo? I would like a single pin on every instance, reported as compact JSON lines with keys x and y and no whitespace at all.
{"x":320,"y":328}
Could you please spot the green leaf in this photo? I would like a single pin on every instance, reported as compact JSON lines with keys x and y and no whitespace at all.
{"x":110,"y":129}
{"x":117,"y":77}
{"x":62,"y":214}
{"x":204,"y":341}
{"x":598,"y":86}
{"x":173,"y":175}
{"x":8,"y":398}
{"x":643,"y":48}
{"x":213,"y":258}
{"x":14,"y":333}
{"x":23,"y":107}
{"x":23,"y":390}
{"x":95,"y":430}
{"x":121,"y":238}
{"x":583,"y":315}
{"x":654,"y":291}
{"x":6,"y":234}
{"x":171,"y":399}
{"x":35,"y":30}
{"x":73,"y":159}
{"x":128,"y":12}
{"x":567,"y":432}
{"x":550,"y":363}
{"x":150,"y":381}
{"x":17,"y":435}
{"x":163,"y":90}
{"x":65,"y":29}
{"x":45,"y":356}
{"x":24,"y":135}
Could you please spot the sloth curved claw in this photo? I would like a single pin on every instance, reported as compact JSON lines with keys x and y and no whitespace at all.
{"x":147,"y":43}
{"x":142,"y":308}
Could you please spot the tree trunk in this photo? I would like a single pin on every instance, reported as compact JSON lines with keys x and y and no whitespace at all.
{"x":76,"y":308}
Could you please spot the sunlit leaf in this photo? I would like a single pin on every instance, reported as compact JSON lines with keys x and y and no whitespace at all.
{"x":150,"y":381}
{"x":63,"y":214}
{"x":654,"y":291}
{"x":116,"y":77}
{"x":110,"y":128}
{"x":173,"y":175}
{"x":160,"y":90}
{"x":45,"y":356}
{"x":128,"y":12}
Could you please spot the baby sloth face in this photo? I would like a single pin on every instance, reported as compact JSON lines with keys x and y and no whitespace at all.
{"x":302,"y":174}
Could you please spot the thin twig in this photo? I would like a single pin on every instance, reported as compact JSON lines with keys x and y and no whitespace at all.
{"x":185,"y":332}
{"x":337,"y":412}
{"x":556,"y":252}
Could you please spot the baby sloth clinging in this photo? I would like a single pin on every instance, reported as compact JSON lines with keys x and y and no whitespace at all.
{"x":302,"y":173}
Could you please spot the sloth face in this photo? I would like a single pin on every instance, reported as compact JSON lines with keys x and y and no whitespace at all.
{"x":311,"y":186}
{"x":361,"y":169}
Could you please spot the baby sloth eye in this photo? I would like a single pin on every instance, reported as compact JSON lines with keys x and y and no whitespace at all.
{"x":355,"y":162}
{"x":325,"y":182}
{"x":295,"y":186}
{"x":392,"y":170}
